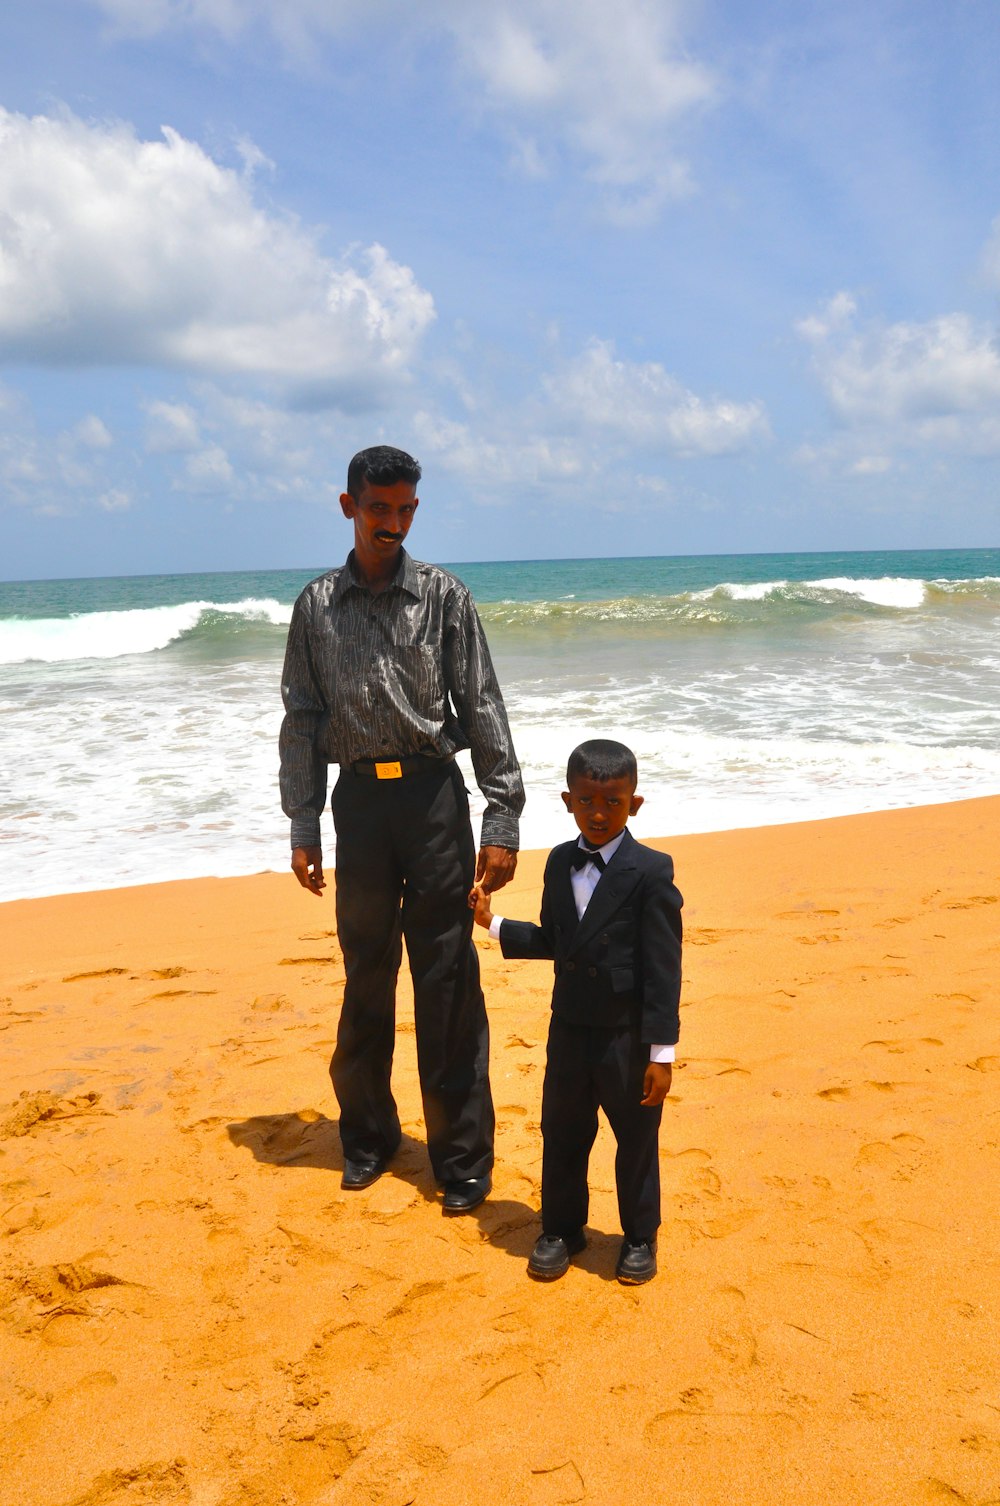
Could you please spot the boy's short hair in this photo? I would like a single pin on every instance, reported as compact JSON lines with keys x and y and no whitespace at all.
{"x":382,"y":465}
{"x":602,"y":759}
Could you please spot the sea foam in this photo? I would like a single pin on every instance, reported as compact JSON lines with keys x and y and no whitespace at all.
{"x":111,"y":635}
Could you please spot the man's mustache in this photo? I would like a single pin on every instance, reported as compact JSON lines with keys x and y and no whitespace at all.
{"x":389,"y":538}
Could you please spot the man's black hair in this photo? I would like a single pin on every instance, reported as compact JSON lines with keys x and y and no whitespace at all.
{"x":381,"y":465}
{"x":602,"y":759}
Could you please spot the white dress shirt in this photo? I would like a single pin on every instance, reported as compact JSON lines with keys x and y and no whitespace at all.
{"x":585,"y":881}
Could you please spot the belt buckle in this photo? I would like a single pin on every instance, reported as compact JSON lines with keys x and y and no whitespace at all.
{"x":388,"y":771}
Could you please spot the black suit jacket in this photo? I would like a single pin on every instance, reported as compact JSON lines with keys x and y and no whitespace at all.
{"x":621,"y":964}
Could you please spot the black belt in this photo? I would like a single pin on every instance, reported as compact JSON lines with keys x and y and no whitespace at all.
{"x":397,"y":768}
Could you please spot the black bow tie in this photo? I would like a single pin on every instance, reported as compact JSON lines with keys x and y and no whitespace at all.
{"x":582,"y":856}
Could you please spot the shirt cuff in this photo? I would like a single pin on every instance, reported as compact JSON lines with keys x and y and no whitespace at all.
{"x":500,"y":830}
{"x":495,"y":925}
{"x":305,"y":833}
{"x":662,"y":1053}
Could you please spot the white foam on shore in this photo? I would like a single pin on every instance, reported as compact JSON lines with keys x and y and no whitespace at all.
{"x":111,"y":635}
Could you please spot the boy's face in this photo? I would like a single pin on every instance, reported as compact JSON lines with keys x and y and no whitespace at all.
{"x":601,"y":807}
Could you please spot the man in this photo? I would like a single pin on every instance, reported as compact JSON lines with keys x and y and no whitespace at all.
{"x":387,"y":673}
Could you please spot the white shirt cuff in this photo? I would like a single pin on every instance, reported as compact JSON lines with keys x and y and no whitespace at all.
{"x":661,"y":1053}
{"x":495,"y":925}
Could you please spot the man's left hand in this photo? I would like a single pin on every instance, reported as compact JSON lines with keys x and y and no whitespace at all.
{"x":495,"y":867}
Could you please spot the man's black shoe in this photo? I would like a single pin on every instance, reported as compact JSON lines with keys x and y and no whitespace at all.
{"x":636,"y":1262}
{"x":550,"y":1257}
{"x":462,"y":1197}
{"x":358,"y":1174}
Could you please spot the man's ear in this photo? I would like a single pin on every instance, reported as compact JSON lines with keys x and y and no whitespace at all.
{"x":567,"y":800}
{"x":348,"y":504}
{"x":634,"y":804}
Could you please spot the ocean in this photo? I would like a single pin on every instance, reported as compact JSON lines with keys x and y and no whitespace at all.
{"x":139,"y":716}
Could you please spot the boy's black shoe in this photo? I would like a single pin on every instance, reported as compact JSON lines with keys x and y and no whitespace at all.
{"x":358,"y":1174}
{"x":462,"y":1197}
{"x":550,"y":1257}
{"x":636,"y":1262}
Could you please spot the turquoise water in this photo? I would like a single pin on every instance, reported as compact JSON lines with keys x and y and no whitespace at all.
{"x":140,"y":715}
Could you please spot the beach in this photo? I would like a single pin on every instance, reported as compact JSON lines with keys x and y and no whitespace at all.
{"x":195,"y":1312}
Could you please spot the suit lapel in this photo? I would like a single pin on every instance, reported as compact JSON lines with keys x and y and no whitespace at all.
{"x":615,"y":884}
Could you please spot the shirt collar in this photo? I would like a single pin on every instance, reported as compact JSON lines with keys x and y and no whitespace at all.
{"x":407,"y":577}
{"x":608,"y":850}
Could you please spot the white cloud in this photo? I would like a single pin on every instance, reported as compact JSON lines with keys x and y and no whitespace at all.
{"x":606,"y":83}
{"x":115,"y":500}
{"x":501,"y":459}
{"x":931,"y":383}
{"x":209,"y":470}
{"x":172,"y":428}
{"x":643,"y":405}
{"x":116,"y":250}
{"x":92,"y":433}
{"x":58,"y":474}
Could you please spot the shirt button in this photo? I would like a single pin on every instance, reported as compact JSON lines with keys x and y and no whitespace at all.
{"x":592,"y":972}
{"x":571,"y":967}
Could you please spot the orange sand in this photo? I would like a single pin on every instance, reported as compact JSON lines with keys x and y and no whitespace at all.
{"x":194,"y":1312}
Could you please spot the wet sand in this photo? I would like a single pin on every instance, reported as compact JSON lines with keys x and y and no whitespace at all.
{"x":195,"y":1312}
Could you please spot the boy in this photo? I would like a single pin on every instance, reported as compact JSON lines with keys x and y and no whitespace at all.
{"x":611,"y":922}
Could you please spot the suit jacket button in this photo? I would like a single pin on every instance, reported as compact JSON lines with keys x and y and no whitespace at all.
{"x":592,"y":972}
{"x":605,"y":941}
{"x":570,"y":966}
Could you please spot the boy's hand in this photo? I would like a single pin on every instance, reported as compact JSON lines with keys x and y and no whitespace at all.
{"x":479,"y":902}
{"x":656,"y":1083}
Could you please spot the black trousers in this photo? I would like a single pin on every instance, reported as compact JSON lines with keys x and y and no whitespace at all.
{"x":405,"y":863}
{"x":586,"y":1068}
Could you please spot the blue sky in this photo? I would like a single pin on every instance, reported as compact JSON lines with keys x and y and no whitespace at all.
{"x":649,"y":278}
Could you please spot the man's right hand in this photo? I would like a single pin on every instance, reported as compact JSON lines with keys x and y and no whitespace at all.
{"x":307,"y":865}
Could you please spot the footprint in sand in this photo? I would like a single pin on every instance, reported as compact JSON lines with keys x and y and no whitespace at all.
{"x":730,"y":1332}
{"x":900,"y":1156}
{"x":704,"y":936}
{"x":905,"y":1045}
{"x":146,"y":1484}
{"x":104,"y":972}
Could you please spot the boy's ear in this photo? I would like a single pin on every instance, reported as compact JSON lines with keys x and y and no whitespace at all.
{"x":634,"y":804}
{"x":567,"y":800}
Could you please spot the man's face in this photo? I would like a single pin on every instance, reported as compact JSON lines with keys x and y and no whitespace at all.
{"x":601,"y":807}
{"x":382,"y":517}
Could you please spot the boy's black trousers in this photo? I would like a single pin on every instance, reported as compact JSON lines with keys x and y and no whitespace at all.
{"x":589,"y":1067}
{"x":405,"y":863}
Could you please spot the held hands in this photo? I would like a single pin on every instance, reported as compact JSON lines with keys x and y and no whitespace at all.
{"x":479,"y":902}
{"x":495,"y":867}
{"x":656,"y":1083}
{"x":307,"y":865}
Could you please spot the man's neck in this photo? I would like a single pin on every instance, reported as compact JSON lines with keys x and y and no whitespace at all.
{"x":377,"y":575}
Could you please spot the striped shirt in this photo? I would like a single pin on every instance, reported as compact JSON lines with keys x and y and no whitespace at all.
{"x":386,"y":675}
